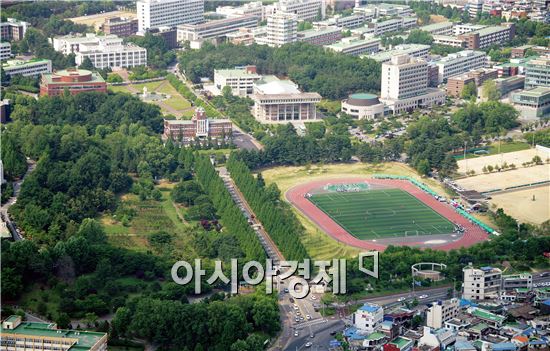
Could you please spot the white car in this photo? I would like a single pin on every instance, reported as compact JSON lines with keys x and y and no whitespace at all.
{"x":401,"y":299}
{"x":422,"y":296}
{"x":308,"y":317}
{"x":308,"y":344}
{"x":313,"y":297}
{"x":296,"y":333}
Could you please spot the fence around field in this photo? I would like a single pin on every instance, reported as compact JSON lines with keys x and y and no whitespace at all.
{"x":425,"y":188}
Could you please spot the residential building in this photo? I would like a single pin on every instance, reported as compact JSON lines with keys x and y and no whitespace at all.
{"x":281,"y":29}
{"x":13,"y":30}
{"x":199,"y":127}
{"x":215,"y":28}
{"x":459,"y":63}
{"x":491,"y":319}
{"x":481,"y":283}
{"x":168,"y":13}
{"x":278,"y":100}
{"x":241,"y":79}
{"x":5,"y":51}
{"x":32,"y":67}
{"x":517,"y":281}
{"x":533,"y":103}
{"x":324,"y":36}
{"x":355,"y":46}
{"x":363,"y":105}
{"x":17,"y":335}
{"x":120,"y":26}
{"x":104,"y":51}
{"x":413,"y":50}
{"x":437,"y":339}
{"x":485,"y":37}
{"x":537,"y":73}
{"x":368,"y":317}
{"x":347,"y":22}
{"x":440,"y":312}
{"x":405,"y":85}
{"x":72,"y":80}
{"x":400,"y":343}
{"x":255,"y":8}
{"x":457,"y":324}
{"x":441,"y":28}
{"x":305,"y":10}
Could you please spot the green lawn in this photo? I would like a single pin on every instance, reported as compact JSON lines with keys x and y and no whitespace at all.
{"x":381,"y":213}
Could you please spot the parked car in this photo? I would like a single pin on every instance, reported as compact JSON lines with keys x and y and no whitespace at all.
{"x":401,"y":299}
{"x":422,"y":296}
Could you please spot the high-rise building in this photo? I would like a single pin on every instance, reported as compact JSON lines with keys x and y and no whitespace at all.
{"x":481,"y":283}
{"x":440,"y":312}
{"x":168,"y":13}
{"x":282,"y":29}
{"x":13,"y":30}
{"x":537,"y":73}
{"x":475,"y":7}
{"x":215,"y":28}
{"x":305,"y":10}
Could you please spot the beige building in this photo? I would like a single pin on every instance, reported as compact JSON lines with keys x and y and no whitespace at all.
{"x":363,"y":106}
{"x":278,"y":100}
{"x":282,"y":29}
{"x":441,"y":312}
{"x":241,"y":80}
{"x":481,"y":283}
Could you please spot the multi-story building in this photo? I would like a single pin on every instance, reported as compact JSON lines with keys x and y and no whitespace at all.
{"x":449,"y":40}
{"x":455,"y":85}
{"x":32,"y":67}
{"x":441,"y":28}
{"x":463,"y":28}
{"x":440,"y":312}
{"x":170,"y":36}
{"x":436,"y":339}
{"x":215,"y":28}
{"x":305,"y":10}
{"x":534,"y":103}
{"x":485,"y":37}
{"x":459,"y":63}
{"x":199,"y":127}
{"x":362,"y":105}
{"x":384,"y":10}
{"x":405,"y":85}
{"x":17,"y":335}
{"x":282,"y":29}
{"x":481,"y":283}
{"x":72,"y":80}
{"x":347,"y":22}
{"x":5,"y":51}
{"x":413,"y":50}
{"x":168,"y":13}
{"x":517,"y":281}
{"x":324,"y":36}
{"x":104,"y":51}
{"x":508,"y":84}
{"x":387,"y":26}
{"x":400,"y":343}
{"x":120,"y":26}
{"x":241,"y":79}
{"x":368,"y":317}
{"x":13,"y":30}
{"x":355,"y":46}
{"x":537,"y":73}
{"x":255,"y":8}
{"x":475,"y":7}
{"x":281,"y":101}
{"x":491,"y":319}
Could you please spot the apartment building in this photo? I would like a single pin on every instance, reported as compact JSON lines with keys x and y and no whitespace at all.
{"x":278,"y":100}
{"x":355,"y":46}
{"x":5,"y":51}
{"x":13,"y":30}
{"x":73,"y":80}
{"x":440,"y":312}
{"x":517,"y":281}
{"x":32,"y":67}
{"x":537,"y":73}
{"x":215,"y":28}
{"x":305,"y":10}
{"x":281,"y":29}
{"x":347,"y":22}
{"x":255,"y":8}
{"x":240,"y":79}
{"x":459,"y":63}
{"x":368,"y":317}
{"x":485,"y":37}
{"x":17,"y":335}
{"x":120,"y":26}
{"x":199,"y":127}
{"x":441,"y":28}
{"x":413,"y":50}
{"x":168,"y":13}
{"x":325,"y":36}
{"x":481,"y":283}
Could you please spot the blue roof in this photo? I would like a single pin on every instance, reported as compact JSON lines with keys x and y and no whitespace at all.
{"x":547,"y":302}
{"x":537,"y":342}
{"x":367,"y":307}
{"x":486,"y":268}
{"x":387,"y":323}
{"x":466,"y":303}
{"x":353,"y":333}
{"x":504,"y":346}
{"x":464,"y":345}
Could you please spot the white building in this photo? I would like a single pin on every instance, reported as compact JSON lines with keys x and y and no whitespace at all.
{"x":281,"y":29}
{"x":278,"y":100}
{"x":362,"y":105}
{"x":32,"y":67}
{"x":240,"y":80}
{"x":459,"y":63}
{"x":440,"y":312}
{"x":475,"y":7}
{"x":255,"y":8}
{"x":5,"y":51}
{"x":355,"y":46}
{"x":441,"y":28}
{"x":215,"y":28}
{"x":368,"y":317}
{"x":384,"y":10}
{"x":437,"y":338}
{"x":405,"y":85}
{"x":463,"y":28}
{"x":348,"y":22}
{"x":104,"y":51}
{"x":305,"y":10}
{"x":481,"y":283}
{"x":168,"y":13}
{"x":517,"y":281}
{"x":413,"y":50}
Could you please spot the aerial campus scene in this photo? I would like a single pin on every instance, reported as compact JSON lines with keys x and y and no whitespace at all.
{"x":192,"y":175}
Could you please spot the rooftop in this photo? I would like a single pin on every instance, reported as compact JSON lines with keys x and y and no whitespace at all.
{"x":314,"y":32}
{"x":489,"y":30}
{"x":343,"y":44}
{"x":268,"y":85}
{"x":486,"y":315}
{"x":535,"y":92}
{"x":16,"y":63}
{"x":236,"y":73}
{"x":397,"y":50}
{"x":376,"y":336}
{"x":370,"y":308}
{"x":73,"y":72}
{"x":400,"y":342}
{"x":460,"y":55}
{"x":479,"y":327}
{"x":435,"y":26}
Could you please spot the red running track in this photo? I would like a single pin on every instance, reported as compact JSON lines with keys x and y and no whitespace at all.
{"x":296,"y":196}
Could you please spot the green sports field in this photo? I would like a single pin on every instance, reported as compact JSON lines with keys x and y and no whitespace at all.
{"x":381,"y":213}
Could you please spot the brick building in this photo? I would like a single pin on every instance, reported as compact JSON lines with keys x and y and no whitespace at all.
{"x":200,"y":126}
{"x":74,"y":80}
{"x":121,"y":26}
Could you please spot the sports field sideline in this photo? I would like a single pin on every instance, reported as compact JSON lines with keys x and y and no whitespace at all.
{"x":381,"y":213}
